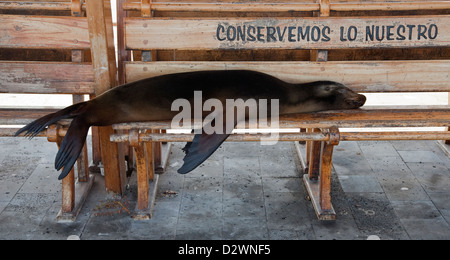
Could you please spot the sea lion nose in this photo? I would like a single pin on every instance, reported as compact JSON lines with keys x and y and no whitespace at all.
{"x":356,"y":101}
{"x":361,"y":100}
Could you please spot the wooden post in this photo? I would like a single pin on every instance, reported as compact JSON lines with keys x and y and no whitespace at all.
{"x":150,"y":159}
{"x":325,"y":170}
{"x":145,"y":172}
{"x":83,"y":160}
{"x":68,"y":191}
{"x":123,"y":53}
{"x":68,"y":183}
{"x":319,"y":191}
{"x":105,"y":74}
{"x":314,"y":148}
{"x":142,"y":178}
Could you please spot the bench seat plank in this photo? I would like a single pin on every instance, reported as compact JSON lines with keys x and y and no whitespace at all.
{"x":426,"y":116}
{"x":407,"y":116}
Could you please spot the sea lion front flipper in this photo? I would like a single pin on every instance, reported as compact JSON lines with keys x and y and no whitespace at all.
{"x":201,"y":148}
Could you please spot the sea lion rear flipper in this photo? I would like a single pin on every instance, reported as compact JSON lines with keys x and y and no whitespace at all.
{"x":71,"y":147}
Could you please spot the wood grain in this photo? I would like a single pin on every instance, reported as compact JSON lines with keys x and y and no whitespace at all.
{"x":46,"y":77}
{"x":270,"y":33}
{"x":43,"y":32}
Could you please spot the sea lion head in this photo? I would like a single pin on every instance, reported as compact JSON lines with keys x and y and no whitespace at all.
{"x":337,"y":96}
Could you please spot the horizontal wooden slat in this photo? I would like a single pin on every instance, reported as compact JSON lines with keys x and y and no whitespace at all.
{"x":345,"y":136}
{"x":271,"y":33}
{"x":367,"y":76}
{"x":371,"y":117}
{"x":225,"y":7}
{"x":41,"y":6}
{"x":286,"y":6}
{"x":425,"y":116}
{"x":389,"y":5}
{"x":7,"y":132}
{"x":18,"y":31}
{"x":17,"y":116}
{"x":46,"y":77}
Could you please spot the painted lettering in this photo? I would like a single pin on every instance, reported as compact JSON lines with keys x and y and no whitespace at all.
{"x":315,"y":32}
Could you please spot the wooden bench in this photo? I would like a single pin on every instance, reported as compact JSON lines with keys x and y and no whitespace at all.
{"x":46,"y":48}
{"x":376,"y":47}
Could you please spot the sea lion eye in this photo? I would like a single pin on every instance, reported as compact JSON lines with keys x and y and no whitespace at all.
{"x":327,"y":88}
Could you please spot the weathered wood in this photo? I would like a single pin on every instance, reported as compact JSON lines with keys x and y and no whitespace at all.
{"x":390,"y":6}
{"x":38,"y":6}
{"x":306,"y":33}
{"x":314,"y":155}
{"x":313,"y":189}
{"x":438,"y":116}
{"x":345,"y":136}
{"x":376,"y":116}
{"x":68,"y":183}
{"x":82,"y":190}
{"x":150,"y":162}
{"x":105,"y":74}
{"x":205,"y":6}
{"x":22,"y":116}
{"x":46,"y":77}
{"x":43,"y":32}
{"x":361,"y":76}
{"x":142,"y":177}
{"x":123,"y":55}
{"x":224,"y":7}
{"x":325,"y":176}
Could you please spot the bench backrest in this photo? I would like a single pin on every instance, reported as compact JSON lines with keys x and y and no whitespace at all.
{"x":44,"y":49}
{"x":380,"y":46}
{"x":66,"y":74}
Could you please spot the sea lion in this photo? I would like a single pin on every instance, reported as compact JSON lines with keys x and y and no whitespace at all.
{"x":151,"y":99}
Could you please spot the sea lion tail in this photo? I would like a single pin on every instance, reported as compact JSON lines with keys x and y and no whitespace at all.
{"x":71,"y":146}
{"x":38,"y":125}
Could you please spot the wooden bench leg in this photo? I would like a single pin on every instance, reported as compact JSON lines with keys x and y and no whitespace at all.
{"x":83,"y":165}
{"x":147,"y":181}
{"x":74,"y":193}
{"x":325,"y":177}
{"x":311,"y":152}
{"x":319,"y":189}
{"x":314,"y":159}
{"x":142,"y":179}
{"x":113,"y":157}
{"x":68,"y":193}
{"x":161,"y":154}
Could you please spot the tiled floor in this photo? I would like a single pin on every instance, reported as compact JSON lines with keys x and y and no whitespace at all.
{"x":395,"y":190}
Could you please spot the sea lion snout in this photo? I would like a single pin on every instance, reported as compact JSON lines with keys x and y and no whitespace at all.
{"x":356,"y":100}
{"x":339,"y":96}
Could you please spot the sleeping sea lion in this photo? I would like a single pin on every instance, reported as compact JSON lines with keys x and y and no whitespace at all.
{"x":151,"y":99}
